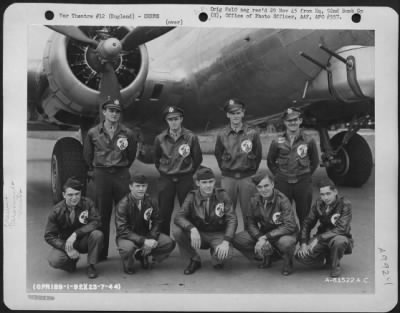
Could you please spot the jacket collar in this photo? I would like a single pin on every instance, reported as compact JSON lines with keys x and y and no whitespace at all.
{"x":228,"y":129}
{"x":166,"y":133}
{"x":298,"y":137}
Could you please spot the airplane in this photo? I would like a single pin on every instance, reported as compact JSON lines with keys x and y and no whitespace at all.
{"x":329,"y":74}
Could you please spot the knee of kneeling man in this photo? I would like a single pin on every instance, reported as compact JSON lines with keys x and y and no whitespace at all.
{"x":97,"y":234}
{"x":178,"y":232}
{"x":340,"y":241}
{"x":287,"y":241}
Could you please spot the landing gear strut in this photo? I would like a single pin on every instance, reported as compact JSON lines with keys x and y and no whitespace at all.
{"x":347,"y":156}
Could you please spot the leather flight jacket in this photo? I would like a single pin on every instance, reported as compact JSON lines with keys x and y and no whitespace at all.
{"x":273,"y":219}
{"x":177,"y":158}
{"x":221,"y":217}
{"x":238,"y":153}
{"x":137,"y":224}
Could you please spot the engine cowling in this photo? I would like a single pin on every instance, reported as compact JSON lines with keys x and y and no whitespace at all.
{"x":74,"y":84}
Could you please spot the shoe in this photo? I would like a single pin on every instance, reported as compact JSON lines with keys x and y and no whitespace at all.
{"x":71,"y":267}
{"x":266,"y":262}
{"x":129,"y":270}
{"x":143,"y":259}
{"x":219,"y":266}
{"x":91,"y":271}
{"x":102,"y":258}
{"x":287,"y":268}
{"x":192,"y":267}
{"x":336,"y":271}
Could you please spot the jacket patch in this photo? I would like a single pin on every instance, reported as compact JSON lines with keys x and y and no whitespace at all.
{"x":220,"y":210}
{"x":83,"y":217}
{"x":122,"y":143}
{"x":147,"y":214}
{"x":334,"y":218}
{"x":184,"y":150}
{"x":276,"y":218}
{"x":246,"y":146}
{"x":302,"y":150}
{"x":281,"y":140}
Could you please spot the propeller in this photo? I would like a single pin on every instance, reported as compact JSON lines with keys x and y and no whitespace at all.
{"x":106,"y":51}
{"x":141,"y":35}
{"x":74,"y":33}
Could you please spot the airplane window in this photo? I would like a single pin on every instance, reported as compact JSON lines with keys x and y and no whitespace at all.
{"x":157,"y":90}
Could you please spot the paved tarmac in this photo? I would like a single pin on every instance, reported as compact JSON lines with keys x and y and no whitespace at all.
{"x":238,"y":277}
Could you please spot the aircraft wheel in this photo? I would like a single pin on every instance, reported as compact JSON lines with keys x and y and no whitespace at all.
{"x":355,"y":164}
{"x":66,"y":161}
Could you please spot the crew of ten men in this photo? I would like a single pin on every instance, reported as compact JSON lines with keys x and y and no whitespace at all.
{"x":206,"y":218}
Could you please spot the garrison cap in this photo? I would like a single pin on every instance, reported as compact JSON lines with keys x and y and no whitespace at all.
{"x":233,"y":105}
{"x":138,"y":178}
{"x":291,"y":113}
{"x":73,"y":183}
{"x":111,"y":104}
{"x":204,"y":173}
{"x":172,"y":111}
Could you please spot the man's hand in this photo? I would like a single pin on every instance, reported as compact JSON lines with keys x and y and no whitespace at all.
{"x":221,"y":251}
{"x":73,"y":254}
{"x":258,"y":247}
{"x":303,"y":251}
{"x":195,"y":238}
{"x":90,"y":175}
{"x":148,"y":245}
{"x":69,"y":244}
{"x":312,"y":245}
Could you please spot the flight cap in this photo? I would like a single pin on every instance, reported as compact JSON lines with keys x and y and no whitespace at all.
{"x":291,"y":113}
{"x":171,"y":111}
{"x":232,"y":105}
{"x":111,"y":104}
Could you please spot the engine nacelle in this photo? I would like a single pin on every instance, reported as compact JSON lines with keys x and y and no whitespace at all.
{"x":74,"y":86}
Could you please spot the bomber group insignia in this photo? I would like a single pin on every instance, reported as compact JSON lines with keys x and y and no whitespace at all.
{"x":184,"y":150}
{"x":122,"y":143}
{"x":276,"y":218}
{"x":246,"y":146}
{"x":220,"y":210}
{"x":83,"y":217}
{"x":147,"y":214}
{"x":302,"y":150}
{"x":281,"y":139}
{"x":334,"y":218}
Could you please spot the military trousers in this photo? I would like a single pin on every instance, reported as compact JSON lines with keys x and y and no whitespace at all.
{"x":111,"y":186}
{"x":127,"y":248}
{"x":91,"y":244}
{"x":299,"y":192}
{"x":241,"y":189}
{"x":331,"y":250}
{"x":285,"y":245}
{"x":209,"y":240}
{"x":168,"y":187}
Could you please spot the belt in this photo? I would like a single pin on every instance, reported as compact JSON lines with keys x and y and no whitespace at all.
{"x":111,"y":169}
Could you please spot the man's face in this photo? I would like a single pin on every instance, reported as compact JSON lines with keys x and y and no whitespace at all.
{"x":265,"y":188}
{"x":138,"y":190}
{"x":174,"y":122}
{"x":328,"y":195}
{"x":112,"y":115}
{"x":235,"y":117}
{"x":206,"y":186}
{"x":293,"y":124}
{"x":72,"y":196}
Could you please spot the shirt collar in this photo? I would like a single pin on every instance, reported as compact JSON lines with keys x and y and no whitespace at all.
{"x":229,"y":128}
{"x":102,"y":127}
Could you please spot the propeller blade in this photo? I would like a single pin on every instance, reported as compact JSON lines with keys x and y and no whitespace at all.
{"x":109,"y":85}
{"x":141,"y":35}
{"x":74,"y":33}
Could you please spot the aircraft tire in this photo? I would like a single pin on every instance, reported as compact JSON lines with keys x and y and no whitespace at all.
{"x":357,"y":162}
{"x":67,"y":161}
